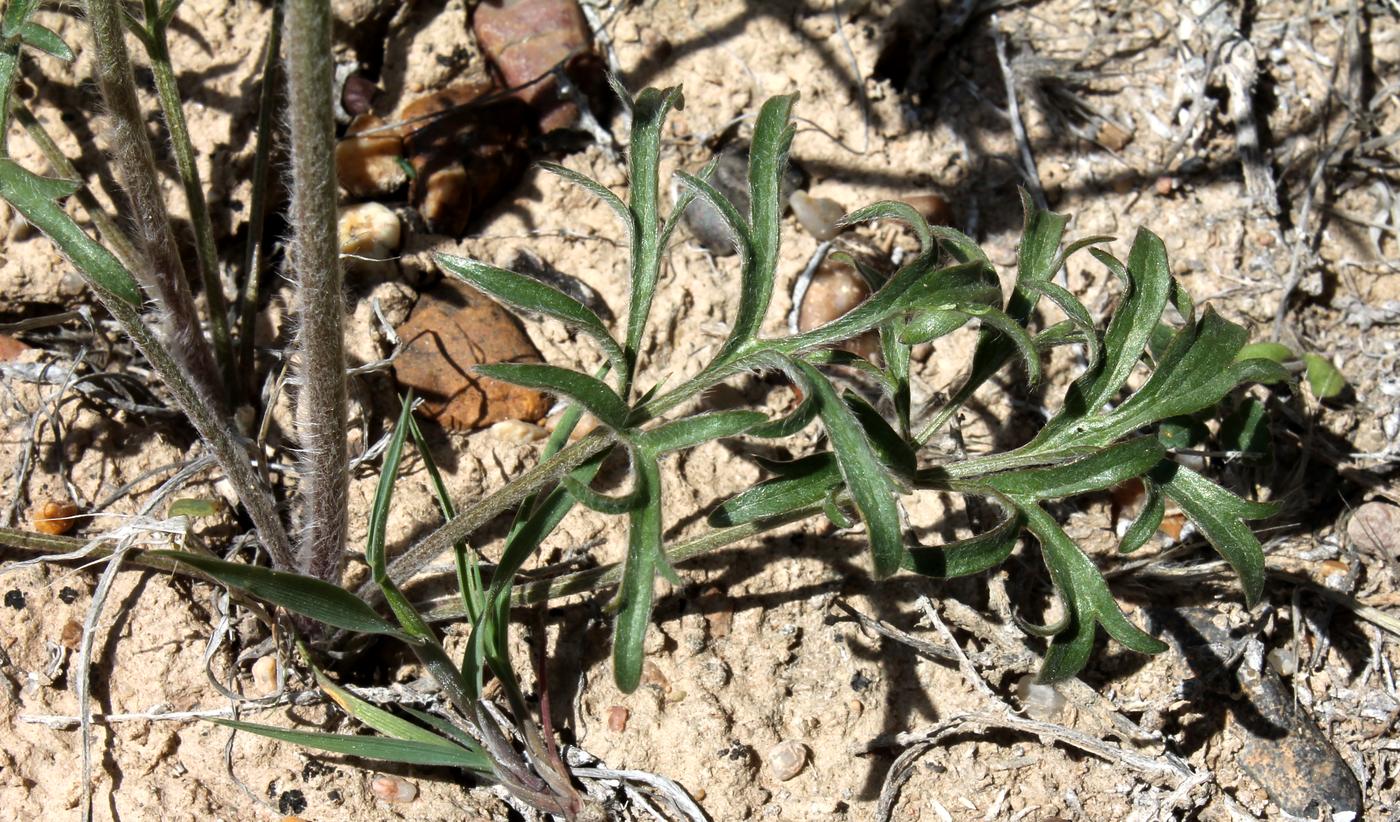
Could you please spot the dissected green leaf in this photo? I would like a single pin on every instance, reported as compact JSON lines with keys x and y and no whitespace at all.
{"x":649,"y":111}
{"x":17,"y":13}
{"x":45,"y":40}
{"x":308,"y":596}
{"x":967,"y":556}
{"x":920,"y":283}
{"x":1154,"y":508}
{"x":784,"y":427}
{"x":891,"y":448}
{"x":894,"y":210}
{"x":593,"y":394}
{"x":1246,"y":429}
{"x":1097,"y":472}
{"x":800,"y":484}
{"x":441,"y":753}
{"x":692,"y":431}
{"x":528,"y":294}
{"x":1085,"y":594}
{"x":35,"y":198}
{"x":768,"y":153}
{"x":868,"y":480}
{"x":1324,"y":379}
{"x":597,"y":189}
{"x":1182,"y":432}
{"x":1277,"y":352}
{"x":192,"y":507}
{"x":638,"y":578}
{"x":1220,"y":516}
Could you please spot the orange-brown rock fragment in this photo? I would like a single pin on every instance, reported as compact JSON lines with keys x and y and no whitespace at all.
{"x":466,"y":151}
{"x":451,"y":330}
{"x":836,"y":288}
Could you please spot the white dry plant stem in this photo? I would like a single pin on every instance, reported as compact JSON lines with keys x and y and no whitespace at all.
{"x":314,"y":261}
{"x":160,"y":270}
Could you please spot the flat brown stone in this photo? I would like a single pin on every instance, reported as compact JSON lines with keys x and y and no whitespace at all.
{"x":11,"y":348}
{"x":452,"y":329}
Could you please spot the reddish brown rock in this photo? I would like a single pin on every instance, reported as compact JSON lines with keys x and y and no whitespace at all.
{"x":527,"y":39}
{"x":10,"y":348}
{"x":451,"y":330}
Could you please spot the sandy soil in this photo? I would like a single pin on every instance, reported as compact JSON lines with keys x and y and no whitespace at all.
{"x":754,"y":649}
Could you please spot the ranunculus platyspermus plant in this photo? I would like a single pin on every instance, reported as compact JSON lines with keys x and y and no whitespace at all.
{"x":1103,"y":434}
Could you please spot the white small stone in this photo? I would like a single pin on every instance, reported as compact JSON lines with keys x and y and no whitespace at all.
{"x":787,"y":759}
{"x":518,"y":431}
{"x":1042,"y":702}
{"x":817,"y":214}
{"x":265,"y":675}
{"x":394,"y":789}
{"x":369,"y":230}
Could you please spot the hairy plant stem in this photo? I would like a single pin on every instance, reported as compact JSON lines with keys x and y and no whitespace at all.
{"x":111,"y":234}
{"x":314,"y":257}
{"x":158,"y":49}
{"x":507,"y":496}
{"x":257,"y":209}
{"x":164,"y":273}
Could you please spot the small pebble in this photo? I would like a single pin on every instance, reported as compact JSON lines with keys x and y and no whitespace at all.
{"x":68,"y":595}
{"x":54,"y":517}
{"x":1374,"y":526}
{"x":394,"y":789}
{"x":370,"y":165}
{"x":652,"y":675}
{"x":698,"y":794}
{"x":617,"y":719}
{"x":265,"y":675}
{"x":1042,"y":702}
{"x":1165,"y":185}
{"x":1113,"y":137}
{"x":72,"y":634}
{"x":718,"y":610}
{"x":933,"y":207}
{"x":368,"y":230}
{"x":787,"y":759}
{"x":518,"y":431}
{"x":817,"y":215}
{"x":14,"y":598}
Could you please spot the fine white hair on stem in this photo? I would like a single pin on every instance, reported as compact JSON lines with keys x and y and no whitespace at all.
{"x":314,"y":266}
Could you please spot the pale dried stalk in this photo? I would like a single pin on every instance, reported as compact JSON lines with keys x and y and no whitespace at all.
{"x":314,"y":257}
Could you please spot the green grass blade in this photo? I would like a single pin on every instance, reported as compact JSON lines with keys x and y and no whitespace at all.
{"x":308,"y":596}
{"x":376,"y":717}
{"x":413,"y":624}
{"x":441,"y":753}
{"x":527,"y":294}
{"x":739,"y":234}
{"x":593,"y":394}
